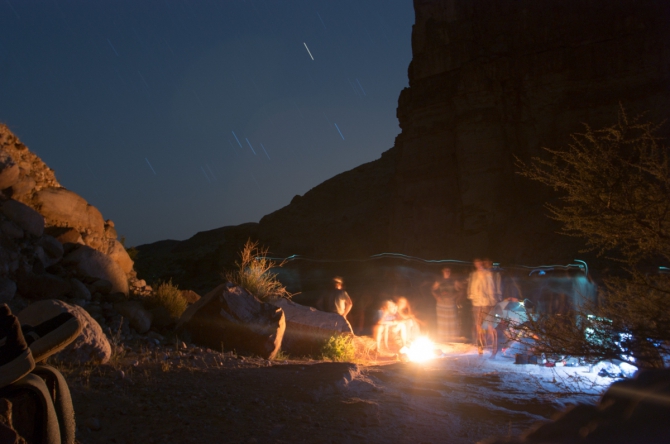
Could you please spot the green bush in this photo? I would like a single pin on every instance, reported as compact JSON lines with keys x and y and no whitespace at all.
{"x":253,"y":273}
{"x":169,"y":296}
{"x":339,"y":348}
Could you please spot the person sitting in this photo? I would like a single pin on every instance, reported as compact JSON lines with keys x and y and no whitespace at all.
{"x":405,"y":315}
{"x":389,"y":322}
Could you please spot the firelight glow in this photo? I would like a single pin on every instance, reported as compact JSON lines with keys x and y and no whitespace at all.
{"x":421,"y":350}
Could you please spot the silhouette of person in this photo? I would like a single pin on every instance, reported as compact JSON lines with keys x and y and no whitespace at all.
{"x":338,"y":300}
{"x":445,"y":292}
{"x":482,"y":293}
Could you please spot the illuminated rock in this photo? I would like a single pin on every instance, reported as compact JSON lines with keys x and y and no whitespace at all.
{"x":230,"y":318}
{"x":307,"y":328}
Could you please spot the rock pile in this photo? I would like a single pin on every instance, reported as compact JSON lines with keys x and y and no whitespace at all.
{"x":53,"y":244}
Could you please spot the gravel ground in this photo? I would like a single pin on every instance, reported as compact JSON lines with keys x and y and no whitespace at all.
{"x":158,"y":394}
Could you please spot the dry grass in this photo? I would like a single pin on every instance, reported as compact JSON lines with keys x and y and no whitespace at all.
{"x":169,"y":296}
{"x":253,"y":273}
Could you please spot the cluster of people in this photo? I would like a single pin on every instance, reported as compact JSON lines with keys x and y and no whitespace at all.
{"x":396,"y":325}
{"x":396,"y":320}
{"x":482,"y":289}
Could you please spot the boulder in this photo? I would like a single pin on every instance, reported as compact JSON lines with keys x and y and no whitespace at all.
{"x":90,"y":263}
{"x":51,"y":247}
{"x":61,"y":207}
{"x":102,"y":286}
{"x":25,"y":217}
{"x":7,"y":290}
{"x":79,"y":290}
{"x":42,"y":286}
{"x":11,"y":230}
{"x":191,"y":296}
{"x":90,"y":346}
{"x":9,"y":170}
{"x":120,"y":256}
{"x":308,"y":328}
{"x":229,"y":317}
{"x":23,"y":187}
{"x":65,"y":235}
{"x":139,"y":318}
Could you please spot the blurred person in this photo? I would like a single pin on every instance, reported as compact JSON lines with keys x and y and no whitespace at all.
{"x":389,"y":322}
{"x":405,"y":315}
{"x":337,"y":300}
{"x":482,"y":293}
{"x":445,"y":292}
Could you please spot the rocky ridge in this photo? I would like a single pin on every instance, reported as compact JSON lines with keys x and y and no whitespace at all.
{"x":55,"y":245}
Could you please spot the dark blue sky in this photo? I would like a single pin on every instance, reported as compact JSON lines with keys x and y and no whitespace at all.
{"x":139,"y":105}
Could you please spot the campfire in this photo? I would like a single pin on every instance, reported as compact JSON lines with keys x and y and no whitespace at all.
{"x":421,"y":350}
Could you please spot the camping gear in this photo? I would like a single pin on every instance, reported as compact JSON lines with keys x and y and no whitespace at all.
{"x":47,"y":329}
{"x":33,"y":414}
{"x":511,"y":311}
{"x":16,"y":359}
{"x":62,"y":401}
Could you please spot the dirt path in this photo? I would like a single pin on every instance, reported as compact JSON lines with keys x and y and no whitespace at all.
{"x":203,"y":396}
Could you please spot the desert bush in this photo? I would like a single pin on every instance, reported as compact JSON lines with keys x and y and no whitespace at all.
{"x":339,"y":348}
{"x":615,"y":193}
{"x":168,"y":295}
{"x":253,"y":273}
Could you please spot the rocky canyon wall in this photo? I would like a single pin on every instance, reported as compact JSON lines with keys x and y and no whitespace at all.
{"x":490,"y":80}
{"x":494,"y":79}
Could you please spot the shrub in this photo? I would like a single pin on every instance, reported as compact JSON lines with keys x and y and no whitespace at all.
{"x":253,"y":273}
{"x":339,"y":348}
{"x":615,"y":188}
{"x":169,"y":296}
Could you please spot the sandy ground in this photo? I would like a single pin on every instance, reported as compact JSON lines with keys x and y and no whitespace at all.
{"x":162,"y":395}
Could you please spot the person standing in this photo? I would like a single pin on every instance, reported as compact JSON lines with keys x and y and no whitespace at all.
{"x":337,"y":300}
{"x":445,"y":293}
{"x":482,"y":293}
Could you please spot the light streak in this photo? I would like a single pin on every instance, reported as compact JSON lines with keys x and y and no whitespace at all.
{"x":266,"y":153}
{"x":359,"y":84}
{"x":113,"y":49}
{"x":152,"y":168}
{"x":206,"y":177}
{"x":252,"y":148}
{"x":308,"y":51}
{"x":211,"y":172}
{"x":238,"y":140}
{"x":324,"y":25}
{"x":338,"y":130}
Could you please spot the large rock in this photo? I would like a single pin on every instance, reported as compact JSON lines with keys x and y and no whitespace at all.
{"x":25,"y":217}
{"x":120,"y":256}
{"x":90,"y":346}
{"x":92,"y":264}
{"x":9,"y":170}
{"x":52,"y":248}
{"x":630,"y":411}
{"x":308,"y":328}
{"x":42,"y":286}
{"x":61,"y":207}
{"x":232,"y":319}
{"x":65,"y":235}
{"x":139,"y":318}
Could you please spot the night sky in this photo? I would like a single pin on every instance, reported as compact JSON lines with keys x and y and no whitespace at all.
{"x":179,"y":116}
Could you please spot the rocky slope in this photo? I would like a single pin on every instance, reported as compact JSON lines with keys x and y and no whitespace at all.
{"x":490,"y":80}
{"x":53,"y":244}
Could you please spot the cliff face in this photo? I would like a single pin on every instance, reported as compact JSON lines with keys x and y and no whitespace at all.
{"x":346,"y":216}
{"x":490,"y":80}
{"x":495,"y":79}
